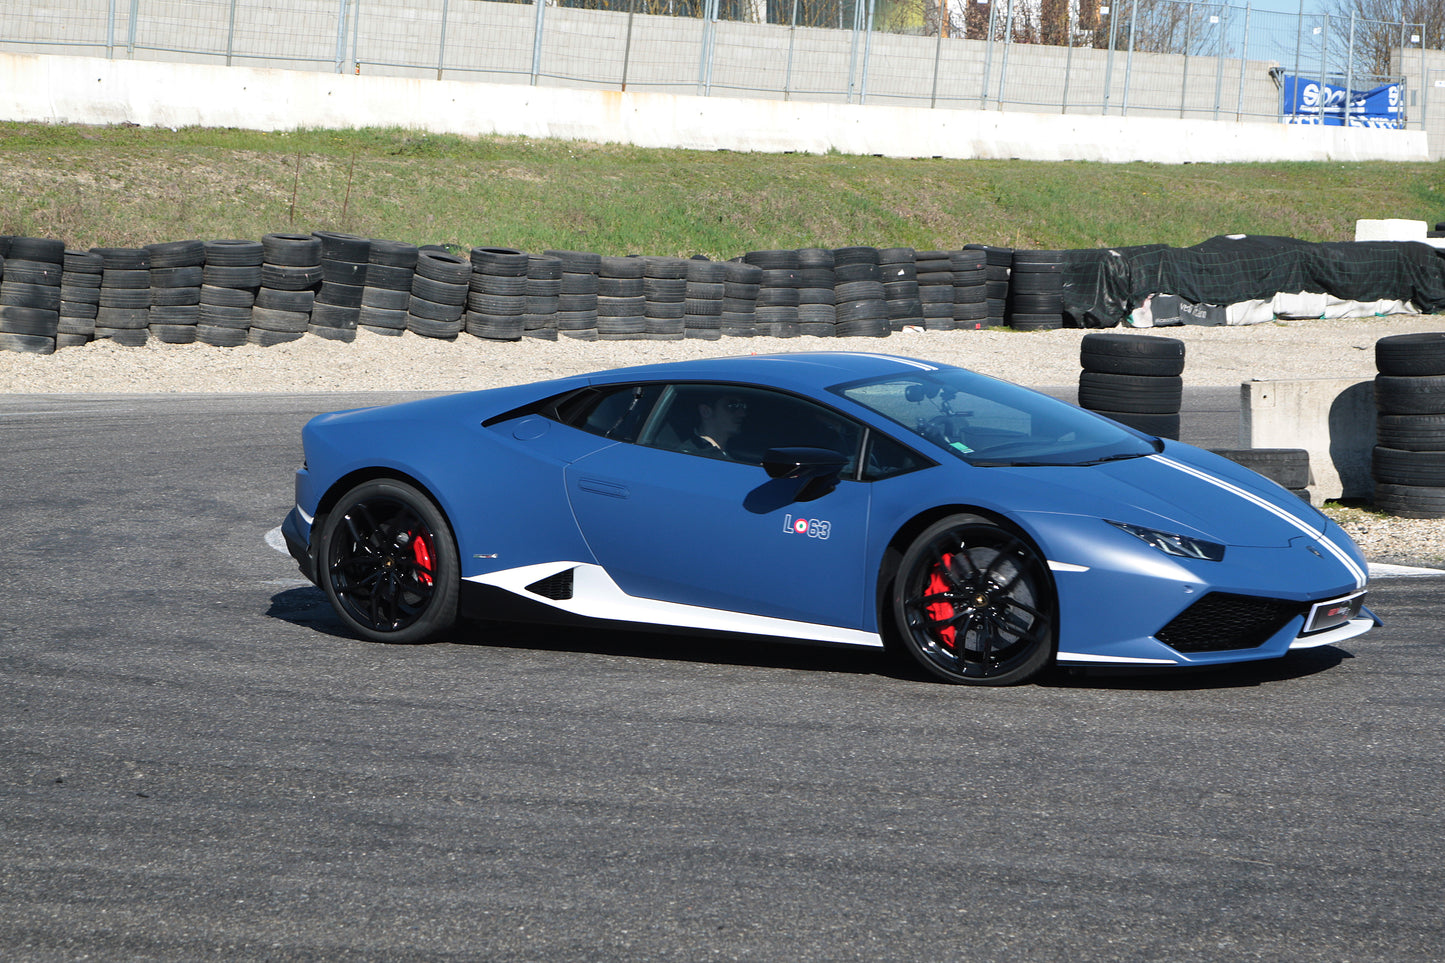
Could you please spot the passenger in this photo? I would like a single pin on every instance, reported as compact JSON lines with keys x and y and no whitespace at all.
{"x":718,"y":424}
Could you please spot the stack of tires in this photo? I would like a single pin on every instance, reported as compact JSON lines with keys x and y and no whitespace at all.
{"x":125,"y":297}
{"x":970,"y":289}
{"x":577,"y":294}
{"x":664,"y":292}
{"x":998,"y":264}
{"x":817,"y":300}
{"x":898,"y":270}
{"x":336,"y":308}
{"x":544,"y":287}
{"x":30,"y":294}
{"x":440,"y":290}
{"x":80,"y":300}
{"x":741,"y":282}
{"x":1133,"y":379}
{"x":779,"y":287}
{"x":621,"y":303}
{"x":1408,"y":463}
{"x":497,"y":299}
{"x":386,"y":292}
{"x":861,"y":310}
{"x":177,"y":275}
{"x":291,"y":272}
{"x":1036,"y":291}
{"x":702,"y":307}
{"x":933,"y":270}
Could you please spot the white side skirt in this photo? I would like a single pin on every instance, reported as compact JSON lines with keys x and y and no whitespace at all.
{"x":596,"y":596}
{"x":1339,"y":633}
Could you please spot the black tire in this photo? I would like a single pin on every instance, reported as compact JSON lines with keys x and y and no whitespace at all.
{"x":174,"y":254}
{"x":1411,"y":432}
{"x":1408,"y":501}
{"x":501,"y":261}
{"x":344,"y":272}
{"x":1290,"y":467}
{"x":234,"y":253}
{"x":27,"y":343}
{"x":1147,"y":394}
{"x":292,"y":250}
{"x":1161,"y":425}
{"x":337,"y":246}
{"x":445,"y":268}
{"x":388,"y":563}
{"x":967,"y":572}
{"x":1418,"y":469}
{"x":1132,"y":354}
{"x":1411,"y":355}
{"x":1407,"y":395}
{"x":393,"y":254}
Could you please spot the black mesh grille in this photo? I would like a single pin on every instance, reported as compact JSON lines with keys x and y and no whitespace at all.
{"x":1221,"y":621}
{"x":557,"y":587}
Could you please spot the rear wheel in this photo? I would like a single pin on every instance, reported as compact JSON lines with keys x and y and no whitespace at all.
{"x":974,"y":603}
{"x":388,"y":563}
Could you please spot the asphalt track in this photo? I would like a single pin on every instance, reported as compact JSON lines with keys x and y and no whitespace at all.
{"x":196,"y":763}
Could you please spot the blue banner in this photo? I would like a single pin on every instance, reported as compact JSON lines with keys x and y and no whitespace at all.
{"x":1311,"y":102}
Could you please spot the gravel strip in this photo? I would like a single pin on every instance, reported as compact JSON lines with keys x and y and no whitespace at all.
{"x":1215,"y":357}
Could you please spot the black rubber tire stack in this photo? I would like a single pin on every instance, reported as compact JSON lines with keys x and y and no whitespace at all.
{"x":998,"y":264}
{"x":440,"y":290}
{"x":934,"y":272}
{"x":702,"y":306}
{"x":779,"y":292}
{"x":336,"y":307}
{"x":544,"y":289}
{"x":1408,"y":462}
{"x":230,"y":280}
{"x":858,"y":286}
{"x":177,"y":273}
{"x":498,"y":297}
{"x":664,"y":290}
{"x":291,"y":272}
{"x":80,"y":299}
{"x":390,"y":269}
{"x":1134,"y":379}
{"x":621,"y":301}
{"x":817,"y":299}
{"x":1289,"y":467}
{"x":898,"y":270}
{"x":30,"y":294}
{"x":970,"y":289}
{"x":125,"y":296}
{"x":1036,"y":291}
{"x":741,"y":283}
{"x":577,"y":300}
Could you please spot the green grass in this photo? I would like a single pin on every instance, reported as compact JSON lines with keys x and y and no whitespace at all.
{"x":128,"y":186}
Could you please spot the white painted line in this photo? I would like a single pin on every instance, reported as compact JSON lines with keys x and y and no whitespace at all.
{"x":276,"y":540}
{"x":1385,"y":570}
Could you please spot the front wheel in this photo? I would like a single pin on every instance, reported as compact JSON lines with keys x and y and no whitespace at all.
{"x":388,"y":563}
{"x":974,"y":603}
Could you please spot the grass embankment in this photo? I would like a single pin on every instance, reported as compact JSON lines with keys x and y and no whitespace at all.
{"x":127,"y":186}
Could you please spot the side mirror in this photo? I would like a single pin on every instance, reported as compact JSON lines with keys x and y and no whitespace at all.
{"x":814,"y":471}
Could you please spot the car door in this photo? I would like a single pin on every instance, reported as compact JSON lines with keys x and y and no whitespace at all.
{"x":717,"y":532}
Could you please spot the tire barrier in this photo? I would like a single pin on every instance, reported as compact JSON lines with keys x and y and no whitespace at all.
{"x":664,"y":292}
{"x":1289,"y":467}
{"x":177,"y":274}
{"x":80,"y":299}
{"x":1133,"y":379}
{"x":1408,"y":461}
{"x":123,"y":315}
{"x":386,"y":293}
{"x":577,"y":294}
{"x":998,"y":267}
{"x":1036,"y":291}
{"x":30,"y":294}
{"x":702,"y":305}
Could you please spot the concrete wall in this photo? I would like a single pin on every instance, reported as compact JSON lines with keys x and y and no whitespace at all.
{"x":101,"y":91}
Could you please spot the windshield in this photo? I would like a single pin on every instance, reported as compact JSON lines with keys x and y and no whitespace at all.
{"x":987,"y":422}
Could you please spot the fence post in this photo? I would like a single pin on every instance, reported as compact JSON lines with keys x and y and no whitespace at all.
{"x":1068,"y":57}
{"x":1109,"y":60}
{"x":1219,"y":59}
{"x":709,"y":38}
{"x":130,"y":32}
{"x":792,"y":35}
{"x":1129,"y":58}
{"x":867,"y":50}
{"x":1188,"y":47}
{"x":442,"y":41}
{"x":987,"y":54}
{"x":1350,"y":70}
{"x":1243,"y":56}
{"x":231,"y":33}
{"x":627,"y":44}
{"x":110,"y":32}
{"x":853,"y":52}
{"x":541,"y":6}
{"x":1008,"y":33}
{"x":937,"y":54}
{"x":341,"y":15}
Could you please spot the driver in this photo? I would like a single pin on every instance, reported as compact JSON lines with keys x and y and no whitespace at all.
{"x":718,"y":422}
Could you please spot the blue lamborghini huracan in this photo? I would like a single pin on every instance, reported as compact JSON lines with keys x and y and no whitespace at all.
{"x":984,"y":529}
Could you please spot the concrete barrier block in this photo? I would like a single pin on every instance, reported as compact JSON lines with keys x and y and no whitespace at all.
{"x":1331,"y":418}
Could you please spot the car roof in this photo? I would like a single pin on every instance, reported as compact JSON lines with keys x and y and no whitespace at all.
{"x":803,"y":371}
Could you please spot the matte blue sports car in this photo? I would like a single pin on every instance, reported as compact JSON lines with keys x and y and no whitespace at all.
{"x":985,"y":529}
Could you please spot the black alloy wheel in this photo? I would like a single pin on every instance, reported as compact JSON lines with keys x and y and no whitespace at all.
{"x":974,"y":603}
{"x":388,"y":563}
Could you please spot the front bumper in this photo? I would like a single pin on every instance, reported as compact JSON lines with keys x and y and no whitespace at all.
{"x":296,"y":530}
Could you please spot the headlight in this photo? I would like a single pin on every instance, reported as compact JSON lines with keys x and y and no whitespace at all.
{"x":1170,"y":544}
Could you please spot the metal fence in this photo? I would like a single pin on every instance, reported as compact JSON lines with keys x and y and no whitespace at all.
{"x":1181,"y":58}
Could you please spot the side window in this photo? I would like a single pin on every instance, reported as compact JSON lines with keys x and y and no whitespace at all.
{"x":614,"y":411}
{"x":736,"y":423}
{"x":887,"y":458}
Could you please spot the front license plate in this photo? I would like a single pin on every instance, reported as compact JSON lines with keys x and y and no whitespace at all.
{"x":1327,"y":615}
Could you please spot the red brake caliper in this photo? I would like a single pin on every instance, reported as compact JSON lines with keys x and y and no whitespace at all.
{"x":421,"y":551}
{"x":941,"y":611}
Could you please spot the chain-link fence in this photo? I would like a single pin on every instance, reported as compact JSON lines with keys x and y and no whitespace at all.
{"x":1179,"y":58}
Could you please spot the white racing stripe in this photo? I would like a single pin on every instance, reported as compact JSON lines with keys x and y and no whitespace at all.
{"x":1358,"y":574}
